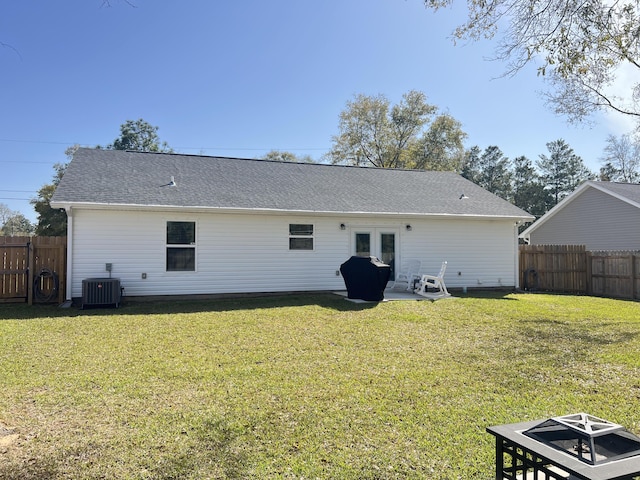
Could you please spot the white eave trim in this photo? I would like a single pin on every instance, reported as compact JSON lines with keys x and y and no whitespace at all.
{"x":223,"y":210}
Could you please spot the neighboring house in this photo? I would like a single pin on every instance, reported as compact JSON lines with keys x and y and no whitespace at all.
{"x":173,"y":224}
{"x":599,"y":215}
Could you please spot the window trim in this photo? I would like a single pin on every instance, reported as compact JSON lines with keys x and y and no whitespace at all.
{"x":193,"y":245}
{"x":311,"y":236}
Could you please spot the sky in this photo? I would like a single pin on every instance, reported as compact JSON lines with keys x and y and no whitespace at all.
{"x":239,"y":78}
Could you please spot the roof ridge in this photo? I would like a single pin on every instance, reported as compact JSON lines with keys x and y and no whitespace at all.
{"x":363,"y":167}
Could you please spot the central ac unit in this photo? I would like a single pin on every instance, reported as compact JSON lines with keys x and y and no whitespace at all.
{"x":101,"y":292}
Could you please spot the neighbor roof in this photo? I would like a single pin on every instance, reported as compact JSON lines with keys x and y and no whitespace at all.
{"x":124,"y":179}
{"x":626,"y":192}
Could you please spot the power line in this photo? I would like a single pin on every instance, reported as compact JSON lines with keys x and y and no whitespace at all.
{"x":252,"y":149}
{"x":25,"y":161}
{"x":51,"y":142}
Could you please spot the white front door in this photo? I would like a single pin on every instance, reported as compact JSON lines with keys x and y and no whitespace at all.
{"x":378,"y":242}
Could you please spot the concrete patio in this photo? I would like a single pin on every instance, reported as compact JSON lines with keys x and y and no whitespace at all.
{"x":394,"y":295}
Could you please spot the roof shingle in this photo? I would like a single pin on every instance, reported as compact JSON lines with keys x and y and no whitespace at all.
{"x":115,"y":177}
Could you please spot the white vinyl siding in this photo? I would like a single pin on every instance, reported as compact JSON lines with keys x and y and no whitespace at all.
{"x":594,"y":219}
{"x":243,"y":253}
{"x":479,"y":253}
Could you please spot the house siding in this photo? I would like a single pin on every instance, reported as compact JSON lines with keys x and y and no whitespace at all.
{"x":479,"y":253}
{"x":594,"y":219}
{"x":240,"y":253}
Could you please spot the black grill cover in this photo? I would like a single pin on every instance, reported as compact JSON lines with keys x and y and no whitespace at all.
{"x":365,"y":278}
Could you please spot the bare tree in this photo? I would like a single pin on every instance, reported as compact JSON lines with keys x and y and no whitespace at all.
{"x":622,"y":159}
{"x":579,"y":45}
{"x":5,"y":213}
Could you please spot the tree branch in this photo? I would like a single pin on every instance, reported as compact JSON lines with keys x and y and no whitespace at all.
{"x":6,"y":45}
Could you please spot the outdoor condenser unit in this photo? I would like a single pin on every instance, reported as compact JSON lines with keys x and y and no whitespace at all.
{"x":101,"y":292}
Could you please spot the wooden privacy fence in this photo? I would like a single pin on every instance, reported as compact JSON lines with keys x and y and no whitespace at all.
{"x":573,"y":269}
{"x":614,"y":274}
{"x":33,"y":269}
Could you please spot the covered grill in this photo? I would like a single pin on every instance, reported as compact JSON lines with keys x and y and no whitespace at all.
{"x":365,"y":278}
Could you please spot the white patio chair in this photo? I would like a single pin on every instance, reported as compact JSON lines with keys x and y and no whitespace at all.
{"x":433,"y":281}
{"x":408,"y":274}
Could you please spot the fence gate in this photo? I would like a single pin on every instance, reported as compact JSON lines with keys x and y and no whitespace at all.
{"x":14,"y":269}
{"x":554,"y":268}
{"x":32,"y":269}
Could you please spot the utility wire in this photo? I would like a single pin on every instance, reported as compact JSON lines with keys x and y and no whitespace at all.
{"x":49,"y":142}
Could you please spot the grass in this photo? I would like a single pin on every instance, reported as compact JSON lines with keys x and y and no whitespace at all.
{"x":303,"y":387}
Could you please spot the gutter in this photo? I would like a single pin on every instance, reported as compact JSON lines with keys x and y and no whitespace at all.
{"x":279,"y":211}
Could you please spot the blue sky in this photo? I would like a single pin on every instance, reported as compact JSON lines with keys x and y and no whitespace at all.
{"x":242,"y":77}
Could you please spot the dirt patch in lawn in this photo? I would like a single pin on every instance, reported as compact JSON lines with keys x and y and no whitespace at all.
{"x":7,"y":437}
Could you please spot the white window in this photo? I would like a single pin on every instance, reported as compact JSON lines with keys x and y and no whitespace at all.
{"x":181,"y":246}
{"x":300,"y":236}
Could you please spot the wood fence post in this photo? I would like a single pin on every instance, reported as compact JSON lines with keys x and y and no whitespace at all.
{"x":589,"y":279}
{"x":30,"y":267}
{"x":633,"y":276}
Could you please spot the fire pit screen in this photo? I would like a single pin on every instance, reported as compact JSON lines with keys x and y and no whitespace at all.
{"x":590,"y":439}
{"x":571,"y":447}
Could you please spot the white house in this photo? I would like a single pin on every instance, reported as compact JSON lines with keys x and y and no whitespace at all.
{"x":599,"y":215}
{"x":172,"y":224}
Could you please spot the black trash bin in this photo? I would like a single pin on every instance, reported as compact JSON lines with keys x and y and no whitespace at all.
{"x":365,"y":278}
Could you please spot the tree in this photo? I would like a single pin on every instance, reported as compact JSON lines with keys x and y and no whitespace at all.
{"x":51,"y":221}
{"x":139,"y":136}
{"x":489,"y":169}
{"x":621,"y":159}
{"x":580,"y":45}
{"x":17,"y":225}
{"x":495,"y":173}
{"x":5,"y":213}
{"x":529,"y":191}
{"x":280,"y":156}
{"x":441,"y":147}
{"x":374,"y":133}
{"x":562,"y":171}
{"x":134,"y":135}
{"x":471,"y":165}
{"x":607,"y":173}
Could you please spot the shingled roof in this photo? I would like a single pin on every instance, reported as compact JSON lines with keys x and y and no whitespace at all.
{"x":627,"y":192}
{"x":124,"y":179}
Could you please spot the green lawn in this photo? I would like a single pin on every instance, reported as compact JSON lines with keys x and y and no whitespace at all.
{"x":303,"y":387}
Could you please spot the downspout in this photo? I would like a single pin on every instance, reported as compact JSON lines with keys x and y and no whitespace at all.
{"x":69,"y":252}
{"x":517,"y":253}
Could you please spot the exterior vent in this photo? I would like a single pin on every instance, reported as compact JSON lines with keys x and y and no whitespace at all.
{"x":101,"y":292}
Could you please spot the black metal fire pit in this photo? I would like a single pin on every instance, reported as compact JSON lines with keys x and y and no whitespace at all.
{"x":588,"y":438}
{"x":578,"y":446}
